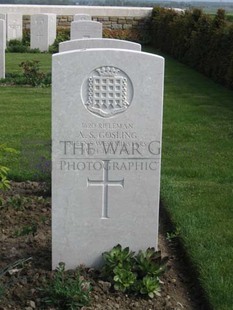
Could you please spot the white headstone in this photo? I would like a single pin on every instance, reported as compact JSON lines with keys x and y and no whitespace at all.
{"x":3,"y":16}
{"x":85,"y":29}
{"x":106,"y":133}
{"x":14,"y":27}
{"x":97,"y":43}
{"x":78,"y":17}
{"x":2,"y":48}
{"x":43,"y":31}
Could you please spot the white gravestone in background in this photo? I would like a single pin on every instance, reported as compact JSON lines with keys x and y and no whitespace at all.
{"x":106,"y":133}
{"x":78,"y":17}
{"x":97,"y":43}
{"x":3,"y":17}
{"x":14,"y":27}
{"x":43,"y":31}
{"x":2,"y":47}
{"x":85,"y":29}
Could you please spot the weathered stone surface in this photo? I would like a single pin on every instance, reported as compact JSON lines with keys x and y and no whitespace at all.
{"x":97,"y":43}
{"x":85,"y":29}
{"x":14,"y":27}
{"x":3,"y":17}
{"x":116,"y":26}
{"x":43,"y":31}
{"x":2,"y":47}
{"x":127,"y":26}
{"x":79,"y":17}
{"x":106,"y":133}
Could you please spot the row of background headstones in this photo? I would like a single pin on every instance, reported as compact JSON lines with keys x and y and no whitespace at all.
{"x":44,"y":26}
{"x":43,"y":31}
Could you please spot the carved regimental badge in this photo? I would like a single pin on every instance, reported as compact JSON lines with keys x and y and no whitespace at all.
{"x":109,"y":92}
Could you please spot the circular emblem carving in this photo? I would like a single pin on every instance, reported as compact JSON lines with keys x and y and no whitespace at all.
{"x":107,"y":92}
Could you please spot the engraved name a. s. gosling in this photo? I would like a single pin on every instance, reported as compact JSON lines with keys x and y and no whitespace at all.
{"x":109,"y":92}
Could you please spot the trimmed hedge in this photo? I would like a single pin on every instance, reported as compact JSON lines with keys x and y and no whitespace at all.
{"x":197,"y":40}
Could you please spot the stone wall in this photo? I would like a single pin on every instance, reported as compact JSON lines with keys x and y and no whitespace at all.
{"x":110,"y":17}
{"x":109,"y":22}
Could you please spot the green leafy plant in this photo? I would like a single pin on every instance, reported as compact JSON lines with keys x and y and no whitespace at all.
{"x":33,"y":75}
{"x":26,"y":37}
{"x":16,"y":46}
{"x":149,"y":263}
{"x":26,"y":230}
{"x":14,"y":78}
{"x":132,"y":273}
{"x":67,"y":291}
{"x":122,"y":258}
{"x":128,"y":34}
{"x":16,"y":202}
{"x":172,"y":235}
{"x":62,"y":35}
{"x":150,"y":286}
{"x":4,"y":181}
{"x":21,"y":46}
{"x":123,"y":279}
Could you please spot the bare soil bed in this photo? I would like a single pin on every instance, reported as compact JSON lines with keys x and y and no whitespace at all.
{"x":25,"y":232}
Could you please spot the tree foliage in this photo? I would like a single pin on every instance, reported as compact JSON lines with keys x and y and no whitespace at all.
{"x":197,"y":40}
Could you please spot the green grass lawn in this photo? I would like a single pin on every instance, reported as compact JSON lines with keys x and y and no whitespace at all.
{"x":197,"y":165}
{"x":25,"y":114}
{"x":13,"y":60}
{"x":197,"y":175}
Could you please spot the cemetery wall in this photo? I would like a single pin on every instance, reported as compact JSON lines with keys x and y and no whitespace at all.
{"x":122,"y":18}
{"x":109,"y":22}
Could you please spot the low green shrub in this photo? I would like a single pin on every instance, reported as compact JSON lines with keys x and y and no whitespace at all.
{"x":26,"y":37}
{"x":138,"y":274}
{"x":197,"y":40}
{"x":16,"y":46}
{"x":63,"y":34}
{"x":14,"y":79}
{"x":134,"y":35}
{"x":26,"y":230}
{"x":5,"y":151}
{"x":67,"y":291}
{"x":31,"y":75}
{"x":16,"y":202}
{"x":20,"y":46}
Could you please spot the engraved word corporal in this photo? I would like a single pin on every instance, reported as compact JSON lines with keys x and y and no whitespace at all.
{"x":109,"y":92}
{"x":105,"y":183}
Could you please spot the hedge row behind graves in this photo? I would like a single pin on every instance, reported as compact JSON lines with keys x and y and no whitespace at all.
{"x":197,"y":40}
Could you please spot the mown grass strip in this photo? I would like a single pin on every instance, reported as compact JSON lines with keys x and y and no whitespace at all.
{"x":13,"y":60}
{"x":197,"y":175}
{"x":25,"y":126}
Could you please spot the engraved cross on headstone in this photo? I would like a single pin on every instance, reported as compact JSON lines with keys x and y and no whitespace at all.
{"x":105,"y":183}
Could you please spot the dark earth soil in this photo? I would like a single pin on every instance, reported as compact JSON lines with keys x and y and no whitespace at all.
{"x":25,"y":233}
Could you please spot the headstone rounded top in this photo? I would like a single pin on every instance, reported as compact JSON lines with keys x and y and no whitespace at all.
{"x":81,"y":17}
